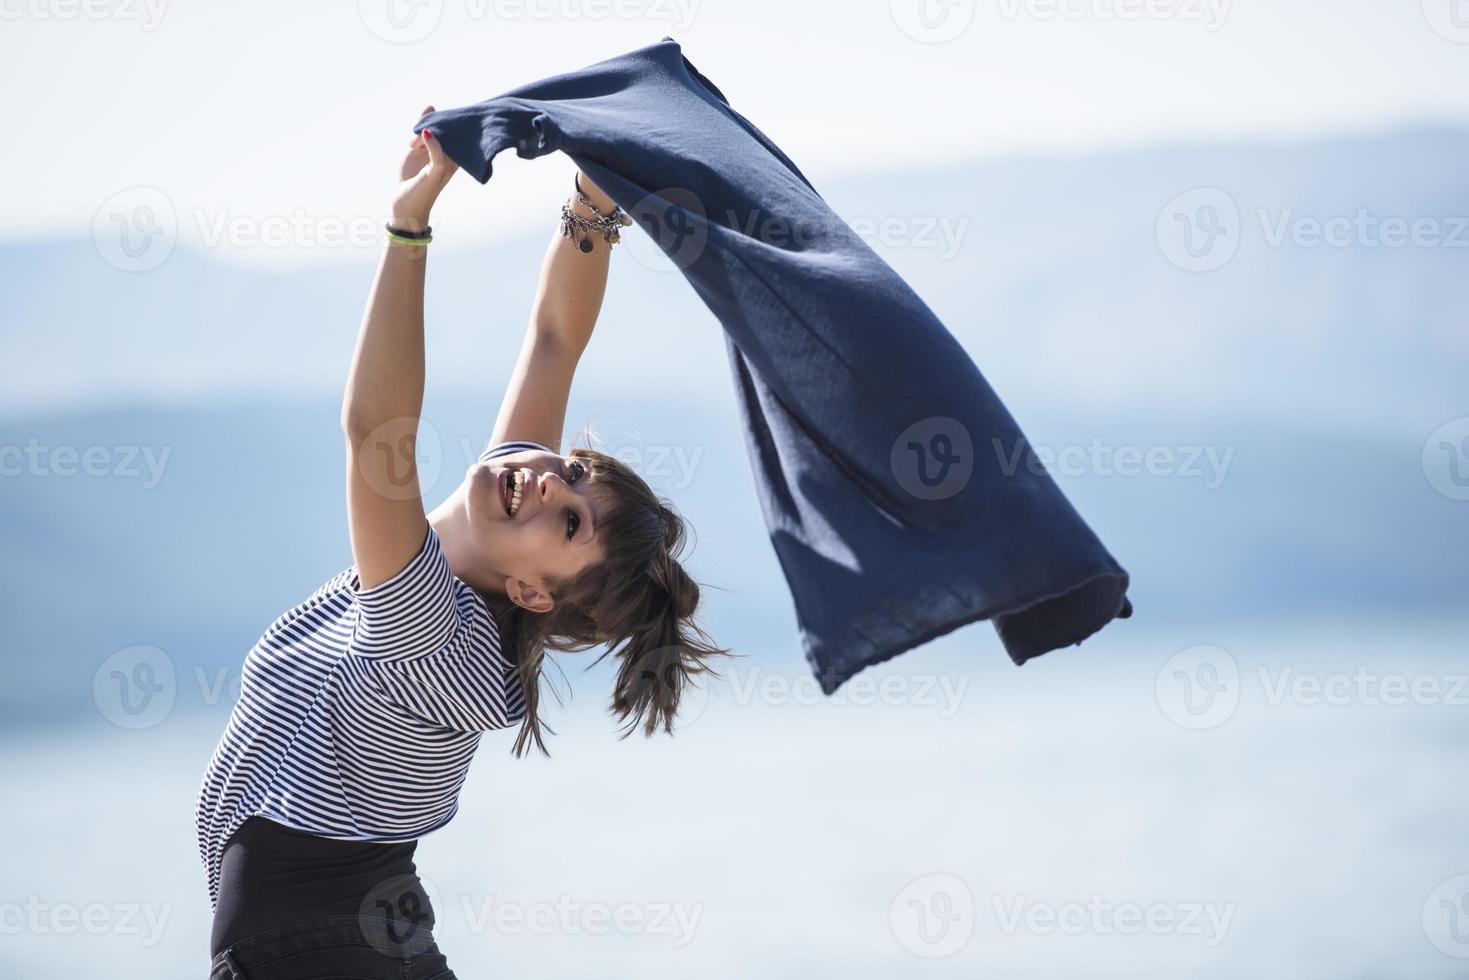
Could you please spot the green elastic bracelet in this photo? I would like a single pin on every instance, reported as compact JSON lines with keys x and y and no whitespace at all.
{"x":408,"y":241}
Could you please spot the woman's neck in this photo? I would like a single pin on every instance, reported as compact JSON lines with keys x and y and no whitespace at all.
{"x":450,"y":521}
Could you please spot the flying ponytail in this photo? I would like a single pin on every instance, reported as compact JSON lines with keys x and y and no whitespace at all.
{"x":666,"y":656}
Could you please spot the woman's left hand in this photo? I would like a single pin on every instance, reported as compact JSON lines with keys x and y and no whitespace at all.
{"x":425,"y":171}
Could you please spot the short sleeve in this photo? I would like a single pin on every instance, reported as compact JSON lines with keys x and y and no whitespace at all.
{"x":413,"y":613}
{"x":468,"y":686}
{"x":512,"y":446}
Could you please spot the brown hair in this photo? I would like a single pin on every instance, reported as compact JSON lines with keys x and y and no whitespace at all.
{"x":639,"y":597}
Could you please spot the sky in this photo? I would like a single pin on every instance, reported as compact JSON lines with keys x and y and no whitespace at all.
{"x":271,"y":111}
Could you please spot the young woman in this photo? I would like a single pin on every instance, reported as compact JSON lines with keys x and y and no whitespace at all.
{"x":361,"y":708}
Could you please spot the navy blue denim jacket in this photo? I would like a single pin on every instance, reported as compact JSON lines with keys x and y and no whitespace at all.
{"x":901,"y":497}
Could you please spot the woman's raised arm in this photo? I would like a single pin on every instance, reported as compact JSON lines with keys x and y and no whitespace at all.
{"x":385,"y":385}
{"x":567,"y":303}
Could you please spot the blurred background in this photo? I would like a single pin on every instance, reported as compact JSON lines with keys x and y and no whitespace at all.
{"x":1214,"y":256}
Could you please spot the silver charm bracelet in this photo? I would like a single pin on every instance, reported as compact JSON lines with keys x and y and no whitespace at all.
{"x":605,"y":225}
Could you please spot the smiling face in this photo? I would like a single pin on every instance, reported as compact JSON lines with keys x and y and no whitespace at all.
{"x":533,"y":517}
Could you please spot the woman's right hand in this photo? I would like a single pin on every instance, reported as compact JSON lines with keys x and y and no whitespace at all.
{"x":425,"y":171}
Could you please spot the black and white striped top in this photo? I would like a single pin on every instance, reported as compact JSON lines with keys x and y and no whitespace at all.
{"x":359,"y":711}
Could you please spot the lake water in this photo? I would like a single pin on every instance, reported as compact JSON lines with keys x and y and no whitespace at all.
{"x":1277,"y":801}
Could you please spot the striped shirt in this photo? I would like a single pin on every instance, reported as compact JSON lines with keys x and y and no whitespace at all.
{"x":359,"y":710}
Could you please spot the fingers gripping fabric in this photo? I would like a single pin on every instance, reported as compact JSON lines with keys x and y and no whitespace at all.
{"x":901,"y":497}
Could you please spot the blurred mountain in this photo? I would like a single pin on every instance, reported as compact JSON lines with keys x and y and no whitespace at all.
{"x":1050,"y":270}
{"x":245,"y":518}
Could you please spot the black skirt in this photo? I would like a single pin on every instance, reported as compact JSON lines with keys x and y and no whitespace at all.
{"x":292,"y":905}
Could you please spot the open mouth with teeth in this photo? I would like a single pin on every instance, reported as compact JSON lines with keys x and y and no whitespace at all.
{"x":511,"y":492}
